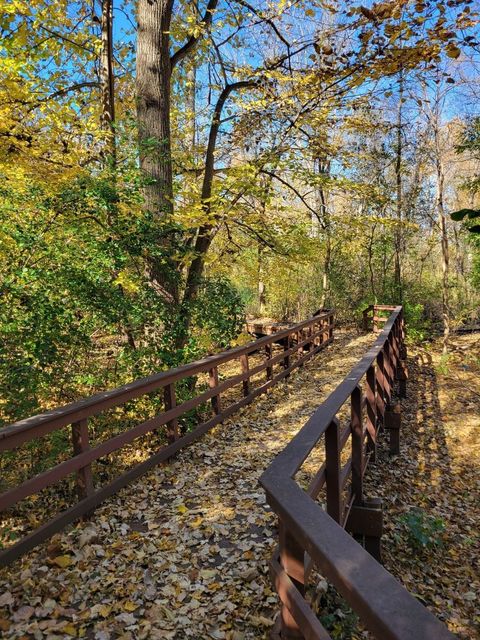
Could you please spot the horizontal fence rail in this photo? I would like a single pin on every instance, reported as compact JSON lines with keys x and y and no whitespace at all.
{"x":313,"y":536}
{"x":296,"y":345}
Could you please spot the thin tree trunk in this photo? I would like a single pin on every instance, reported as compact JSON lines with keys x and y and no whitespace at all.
{"x":326,"y":271}
{"x":325,"y":218}
{"x":370,"y":265}
{"x":206,"y":232}
{"x":261,"y":284}
{"x":442,"y":221}
{"x":191,"y":106}
{"x":107,"y":80}
{"x":399,"y":193}
{"x":107,"y":123}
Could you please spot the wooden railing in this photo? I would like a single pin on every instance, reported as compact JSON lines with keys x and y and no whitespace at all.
{"x":311,"y":535}
{"x":297,"y":345}
{"x":373,"y":318}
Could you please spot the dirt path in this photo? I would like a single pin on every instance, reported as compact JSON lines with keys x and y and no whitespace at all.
{"x":183,"y":553}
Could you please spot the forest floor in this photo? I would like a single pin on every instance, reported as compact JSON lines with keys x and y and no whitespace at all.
{"x":183,"y":552}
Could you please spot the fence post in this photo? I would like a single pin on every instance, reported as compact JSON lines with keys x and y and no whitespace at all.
{"x":380,"y":385}
{"x":268,"y":354}
{"x":299,"y":350}
{"x":357,"y":444}
{"x":292,"y":559}
{"x":286,"y":348}
{"x":212,"y":383}
{"x":80,"y":442}
{"x":246,"y":382}
{"x":393,"y":421}
{"x":366,"y":319}
{"x":309,"y":337}
{"x":402,"y":377}
{"x":402,"y":371}
{"x":170,"y":403}
{"x":403,"y":348}
{"x":387,"y":374}
{"x":332,"y":471}
{"x":371,"y":413}
{"x":331,"y":321}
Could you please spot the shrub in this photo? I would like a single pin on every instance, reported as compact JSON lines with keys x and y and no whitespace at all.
{"x":423,"y":531}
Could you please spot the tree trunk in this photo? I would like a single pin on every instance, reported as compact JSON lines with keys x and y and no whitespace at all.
{"x":153,"y":103}
{"x":260,"y":282}
{"x":153,"y":116}
{"x":442,"y":219}
{"x":107,"y":123}
{"x":107,"y":80}
{"x":370,"y":264}
{"x":191,"y":106}
{"x":324,"y":301}
{"x":323,"y":169}
{"x":399,"y":203}
{"x":206,"y":232}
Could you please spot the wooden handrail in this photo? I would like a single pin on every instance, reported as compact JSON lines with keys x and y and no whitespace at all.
{"x":93,"y":405}
{"x":312,"y":335}
{"x":309,"y":533}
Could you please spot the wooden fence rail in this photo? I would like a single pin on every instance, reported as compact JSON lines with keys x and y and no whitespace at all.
{"x":311,"y":535}
{"x":373,"y":318}
{"x":300,"y":342}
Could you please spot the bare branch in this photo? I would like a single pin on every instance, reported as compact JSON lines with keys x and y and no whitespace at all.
{"x":297,"y":193}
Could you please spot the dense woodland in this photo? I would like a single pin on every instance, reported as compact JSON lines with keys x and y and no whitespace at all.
{"x":169,"y":167}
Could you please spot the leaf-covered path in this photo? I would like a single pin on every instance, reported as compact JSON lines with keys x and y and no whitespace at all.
{"x":183,"y":552}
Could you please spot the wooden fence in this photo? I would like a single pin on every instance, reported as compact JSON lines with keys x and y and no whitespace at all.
{"x":375,"y":316}
{"x":297,"y":345}
{"x":311,"y":535}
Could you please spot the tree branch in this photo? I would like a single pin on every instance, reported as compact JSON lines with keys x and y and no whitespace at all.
{"x":297,"y":193}
{"x":206,"y":21}
{"x":269,"y":21}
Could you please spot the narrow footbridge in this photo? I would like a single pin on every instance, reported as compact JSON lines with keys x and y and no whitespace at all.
{"x":219,"y":530}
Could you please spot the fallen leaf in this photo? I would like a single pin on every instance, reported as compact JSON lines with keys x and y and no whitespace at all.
{"x":63,"y":561}
{"x":128,"y":605}
{"x":6,"y":599}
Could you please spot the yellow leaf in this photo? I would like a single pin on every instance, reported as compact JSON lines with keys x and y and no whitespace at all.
{"x":70,"y":629}
{"x":128,"y":605}
{"x":453,"y":51}
{"x":63,"y":561}
{"x":181,"y":508}
{"x":197,"y":522}
{"x":104,"y":610}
